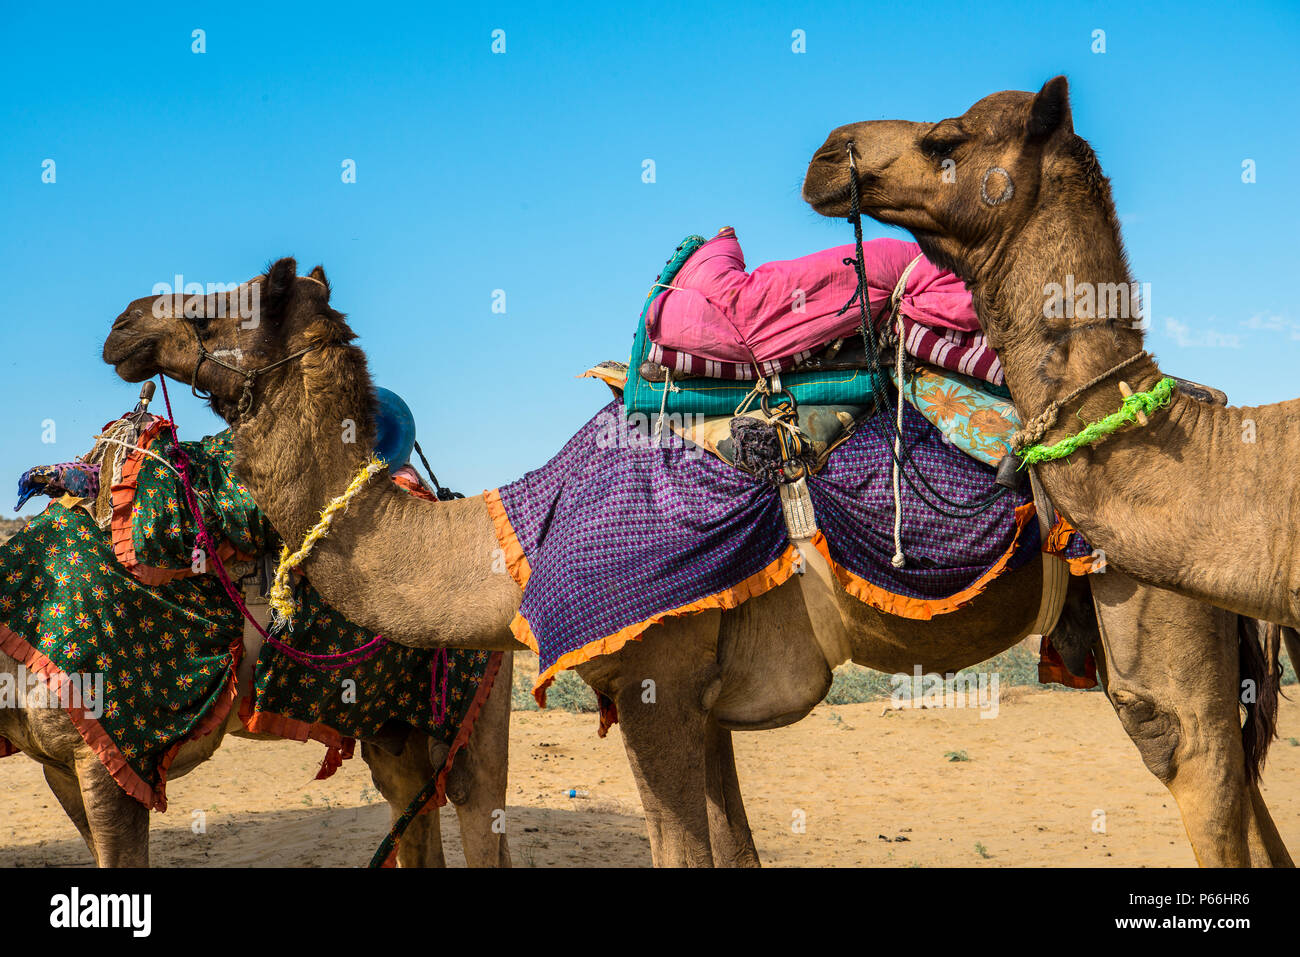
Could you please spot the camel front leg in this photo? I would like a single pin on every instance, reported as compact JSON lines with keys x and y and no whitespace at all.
{"x":476,"y":783}
{"x":399,"y":778}
{"x":118,"y":823}
{"x":659,"y":684}
{"x":1169,"y":667}
{"x":729,"y":834}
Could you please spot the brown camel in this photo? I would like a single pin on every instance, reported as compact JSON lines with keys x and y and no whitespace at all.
{"x":762,"y":665}
{"x":1200,"y":500}
{"x":115,"y":826}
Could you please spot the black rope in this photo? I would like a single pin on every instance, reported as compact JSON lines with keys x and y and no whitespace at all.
{"x":887,"y":429}
{"x":444,"y":494}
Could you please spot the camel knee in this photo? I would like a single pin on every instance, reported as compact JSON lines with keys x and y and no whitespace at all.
{"x":1154,"y":729}
{"x":461,"y":777}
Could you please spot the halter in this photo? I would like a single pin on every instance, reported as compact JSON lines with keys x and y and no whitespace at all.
{"x":249,"y":375}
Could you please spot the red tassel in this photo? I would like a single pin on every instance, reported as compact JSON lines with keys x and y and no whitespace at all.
{"x":334,"y":758}
{"x":1052,"y":670}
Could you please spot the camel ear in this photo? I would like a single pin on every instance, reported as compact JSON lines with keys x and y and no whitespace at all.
{"x":1050,"y":110}
{"x":279,"y":286}
{"x":318,"y":273}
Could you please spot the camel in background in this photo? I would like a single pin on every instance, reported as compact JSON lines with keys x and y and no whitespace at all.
{"x":427,"y":575}
{"x":115,"y":826}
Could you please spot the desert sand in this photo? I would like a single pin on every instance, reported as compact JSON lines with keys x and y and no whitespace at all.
{"x":875,"y":788}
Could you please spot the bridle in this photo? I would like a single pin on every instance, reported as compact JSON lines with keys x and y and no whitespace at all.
{"x":249,"y":375}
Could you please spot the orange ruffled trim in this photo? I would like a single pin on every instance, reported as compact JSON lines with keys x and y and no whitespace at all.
{"x":777,"y":573}
{"x":123,"y":494}
{"x":18,"y":648}
{"x":922,"y":609}
{"x":516,"y":560}
{"x":1058,"y":539}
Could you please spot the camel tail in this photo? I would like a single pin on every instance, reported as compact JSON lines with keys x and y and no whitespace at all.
{"x":1259,"y":657}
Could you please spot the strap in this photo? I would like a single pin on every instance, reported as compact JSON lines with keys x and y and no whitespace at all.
{"x":797,"y":507}
{"x":1056,"y":571}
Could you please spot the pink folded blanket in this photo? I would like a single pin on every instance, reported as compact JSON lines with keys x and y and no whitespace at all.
{"x":718,"y":320}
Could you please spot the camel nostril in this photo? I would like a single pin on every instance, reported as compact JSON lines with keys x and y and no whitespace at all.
{"x":127,"y":317}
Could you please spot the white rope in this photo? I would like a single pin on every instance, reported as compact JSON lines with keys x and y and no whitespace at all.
{"x":143,"y":451}
{"x":895,"y":298}
{"x":761,"y":387}
{"x":663,"y":405}
{"x":899,"y":558}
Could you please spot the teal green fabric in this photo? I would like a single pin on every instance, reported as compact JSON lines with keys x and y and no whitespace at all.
{"x":722,"y":396}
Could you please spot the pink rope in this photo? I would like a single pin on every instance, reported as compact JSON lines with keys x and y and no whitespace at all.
{"x":333,"y":662}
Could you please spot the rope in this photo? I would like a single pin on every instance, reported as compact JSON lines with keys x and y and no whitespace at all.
{"x":317,"y":662}
{"x":389,"y":843}
{"x":1037,"y":427}
{"x":663,"y":406}
{"x":443,"y":493}
{"x":882,"y":424}
{"x":1161,"y":395}
{"x":107,"y":440}
{"x":281,"y":597}
{"x":899,"y":558}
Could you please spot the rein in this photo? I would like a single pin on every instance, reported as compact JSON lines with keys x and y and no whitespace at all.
{"x":887,"y":427}
{"x":332,"y":662}
{"x":249,"y":375}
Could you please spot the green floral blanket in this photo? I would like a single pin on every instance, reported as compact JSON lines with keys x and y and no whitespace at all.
{"x":135,"y":638}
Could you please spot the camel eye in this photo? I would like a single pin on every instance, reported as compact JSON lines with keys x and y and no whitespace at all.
{"x":942,"y":147}
{"x":943,"y":139}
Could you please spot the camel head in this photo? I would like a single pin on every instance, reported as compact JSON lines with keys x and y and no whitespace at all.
{"x":247,"y":327}
{"x":1009,"y":198}
{"x":965,"y":187}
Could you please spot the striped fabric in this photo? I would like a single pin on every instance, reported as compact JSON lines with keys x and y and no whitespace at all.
{"x":686,"y":366}
{"x":965,"y":352}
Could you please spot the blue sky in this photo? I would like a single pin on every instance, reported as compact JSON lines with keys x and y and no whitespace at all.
{"x":522,"y":172}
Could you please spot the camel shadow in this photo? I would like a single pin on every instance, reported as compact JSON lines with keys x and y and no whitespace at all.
{"x":347,"y":837}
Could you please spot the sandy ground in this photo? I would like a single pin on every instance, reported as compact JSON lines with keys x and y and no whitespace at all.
{"x":873,"y":789}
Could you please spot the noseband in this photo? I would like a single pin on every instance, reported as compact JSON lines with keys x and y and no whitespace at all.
{"x":249,"y":375}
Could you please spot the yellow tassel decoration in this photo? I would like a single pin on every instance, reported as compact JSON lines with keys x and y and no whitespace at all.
{"x":281,"y":598}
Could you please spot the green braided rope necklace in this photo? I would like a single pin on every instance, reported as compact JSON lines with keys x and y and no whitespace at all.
{"x":1159,"y":396}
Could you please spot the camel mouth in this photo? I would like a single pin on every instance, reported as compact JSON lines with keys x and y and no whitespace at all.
{"x":829,"y":200}
{"x":828,"y":189}
{"x":130,"y":357}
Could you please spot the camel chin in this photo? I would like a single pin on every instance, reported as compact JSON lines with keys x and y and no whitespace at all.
{"x":134,"y":366}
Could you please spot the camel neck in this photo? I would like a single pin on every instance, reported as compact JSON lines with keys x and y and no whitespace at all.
{"x":425,"y":574}
{"x":1199,"y":500}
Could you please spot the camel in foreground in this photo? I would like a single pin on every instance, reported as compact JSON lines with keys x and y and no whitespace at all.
{"x":429,"y":575}
{"x":115,"y":826}
{"x":1204,"y":500}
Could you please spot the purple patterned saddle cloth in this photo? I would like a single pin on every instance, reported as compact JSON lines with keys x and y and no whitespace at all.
{"x":619,"y":533}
